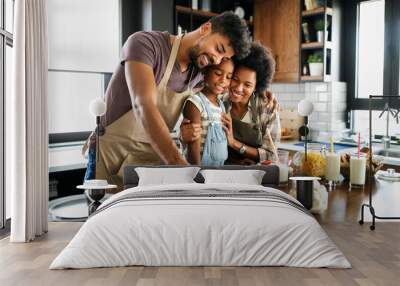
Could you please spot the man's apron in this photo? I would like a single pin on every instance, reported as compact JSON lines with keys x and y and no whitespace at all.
{"x":125,"y":141}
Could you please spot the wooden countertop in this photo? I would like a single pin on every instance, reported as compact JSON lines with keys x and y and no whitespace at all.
{"x":345,"y":205}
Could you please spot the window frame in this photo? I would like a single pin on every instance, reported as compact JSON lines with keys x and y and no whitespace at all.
{"x":391,"y":61}
{"x":6,"y":39}
{"x":65,"y":137}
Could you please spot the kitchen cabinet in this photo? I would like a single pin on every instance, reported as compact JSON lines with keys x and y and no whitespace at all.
{"x":277,"y":26}
{"x":289,"y":28}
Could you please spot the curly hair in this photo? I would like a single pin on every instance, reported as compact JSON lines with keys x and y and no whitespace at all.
{"x":230,"y":25}
{"x":262,"y":62}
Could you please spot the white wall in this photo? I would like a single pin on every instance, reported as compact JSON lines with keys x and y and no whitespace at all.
{"x":83,"y":34}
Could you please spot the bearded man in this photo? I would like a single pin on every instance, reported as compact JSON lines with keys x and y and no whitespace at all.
{"x":156,"y":74}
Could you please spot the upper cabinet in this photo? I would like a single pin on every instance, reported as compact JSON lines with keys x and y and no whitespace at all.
{"x":277,"y":26}
{"x":304,"y":36}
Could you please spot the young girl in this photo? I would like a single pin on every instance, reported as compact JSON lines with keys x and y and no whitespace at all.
{"x":205,"y":108}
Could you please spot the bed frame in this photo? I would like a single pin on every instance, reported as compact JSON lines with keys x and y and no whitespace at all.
{"x":270,"y":179}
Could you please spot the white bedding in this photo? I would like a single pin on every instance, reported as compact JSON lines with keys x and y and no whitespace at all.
{"x":183,"y":231}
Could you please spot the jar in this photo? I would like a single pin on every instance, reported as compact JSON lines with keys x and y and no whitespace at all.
{"x":283,"y":164}
{"x":315,"y":164}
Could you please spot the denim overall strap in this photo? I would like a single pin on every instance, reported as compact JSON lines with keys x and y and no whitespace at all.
{"x":222,"y":105}
{"x":215,"y":150}
{"x":207,"y":107}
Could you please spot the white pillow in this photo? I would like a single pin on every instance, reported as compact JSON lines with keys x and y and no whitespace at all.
{"x":248,"y":177}
{"x":166,"y":176}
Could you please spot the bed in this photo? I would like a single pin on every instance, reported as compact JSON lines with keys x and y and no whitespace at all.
{"x":201,"y":224}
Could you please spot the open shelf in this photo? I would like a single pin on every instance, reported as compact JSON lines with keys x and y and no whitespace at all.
{"x":312,"y":45}
{"x":317,"y":11}
{"x":323,"y":47}
{"x":311,"y":78}
{"x":188,"y":10}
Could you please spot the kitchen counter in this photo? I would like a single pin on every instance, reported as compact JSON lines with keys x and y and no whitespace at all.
{"x":66,"y":157}
{"x":292,"y":146}
{"x":63,"y":157}
{"x":376,"y":147}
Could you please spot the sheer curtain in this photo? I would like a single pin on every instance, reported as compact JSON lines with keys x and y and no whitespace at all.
{"x":27,"y":151}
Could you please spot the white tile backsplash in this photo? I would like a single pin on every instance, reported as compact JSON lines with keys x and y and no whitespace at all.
{"x":290,"y":96}
{"x":320,"y":87}
{"x":278,"y":88}
{"x":293,"y":87}
{"x":338,"y":126}
{"x":297,"y":96}
{"x":320,"y":106}
{"x":338,"y":107}
{"x":339,"y":86}
{"x":289,"y":104}
{"x":324,"y":116}
{"x":314,"y":117}
{"x":282,"y":96}
{"x":329,"y":99}
{"x":319,"y":126}
{"x":316,"y":87}
{"x":313,"y":97}
{"x":340,"y":96}
{"x":323,"y":96}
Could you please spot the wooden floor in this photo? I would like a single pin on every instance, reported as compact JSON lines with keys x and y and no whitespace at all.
{"x":374,"y":255}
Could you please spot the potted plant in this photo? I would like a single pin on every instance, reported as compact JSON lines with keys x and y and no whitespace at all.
{"x":319,"y":26}
{"x":315,"y":65}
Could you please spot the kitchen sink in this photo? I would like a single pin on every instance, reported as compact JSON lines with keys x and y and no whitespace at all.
{"x":394,"y":153}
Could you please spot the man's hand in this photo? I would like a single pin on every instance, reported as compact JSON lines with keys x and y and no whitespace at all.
{"x":227,"y":125}
{"x":272,"y":102}
{"x":190,"y":132}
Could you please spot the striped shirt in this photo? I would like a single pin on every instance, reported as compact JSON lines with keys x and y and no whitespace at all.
{"x":268,"y":120}
{"x":205,"y":121}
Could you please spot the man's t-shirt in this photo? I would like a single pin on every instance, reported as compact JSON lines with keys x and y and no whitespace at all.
{"x":151,"y":48}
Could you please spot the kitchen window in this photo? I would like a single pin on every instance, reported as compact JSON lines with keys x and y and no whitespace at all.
{"x":6,"y":44}
{"x":370,"y":48}
{"x":361,"y":123}
{"x":372,"y":43}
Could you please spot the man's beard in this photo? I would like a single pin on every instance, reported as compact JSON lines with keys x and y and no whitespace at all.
{"x":194,"y":54}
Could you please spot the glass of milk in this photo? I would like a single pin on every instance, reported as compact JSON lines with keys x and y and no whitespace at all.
{"x":357,"y":170}
{"x":332,"y":169}
{"x":283,"y":160}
